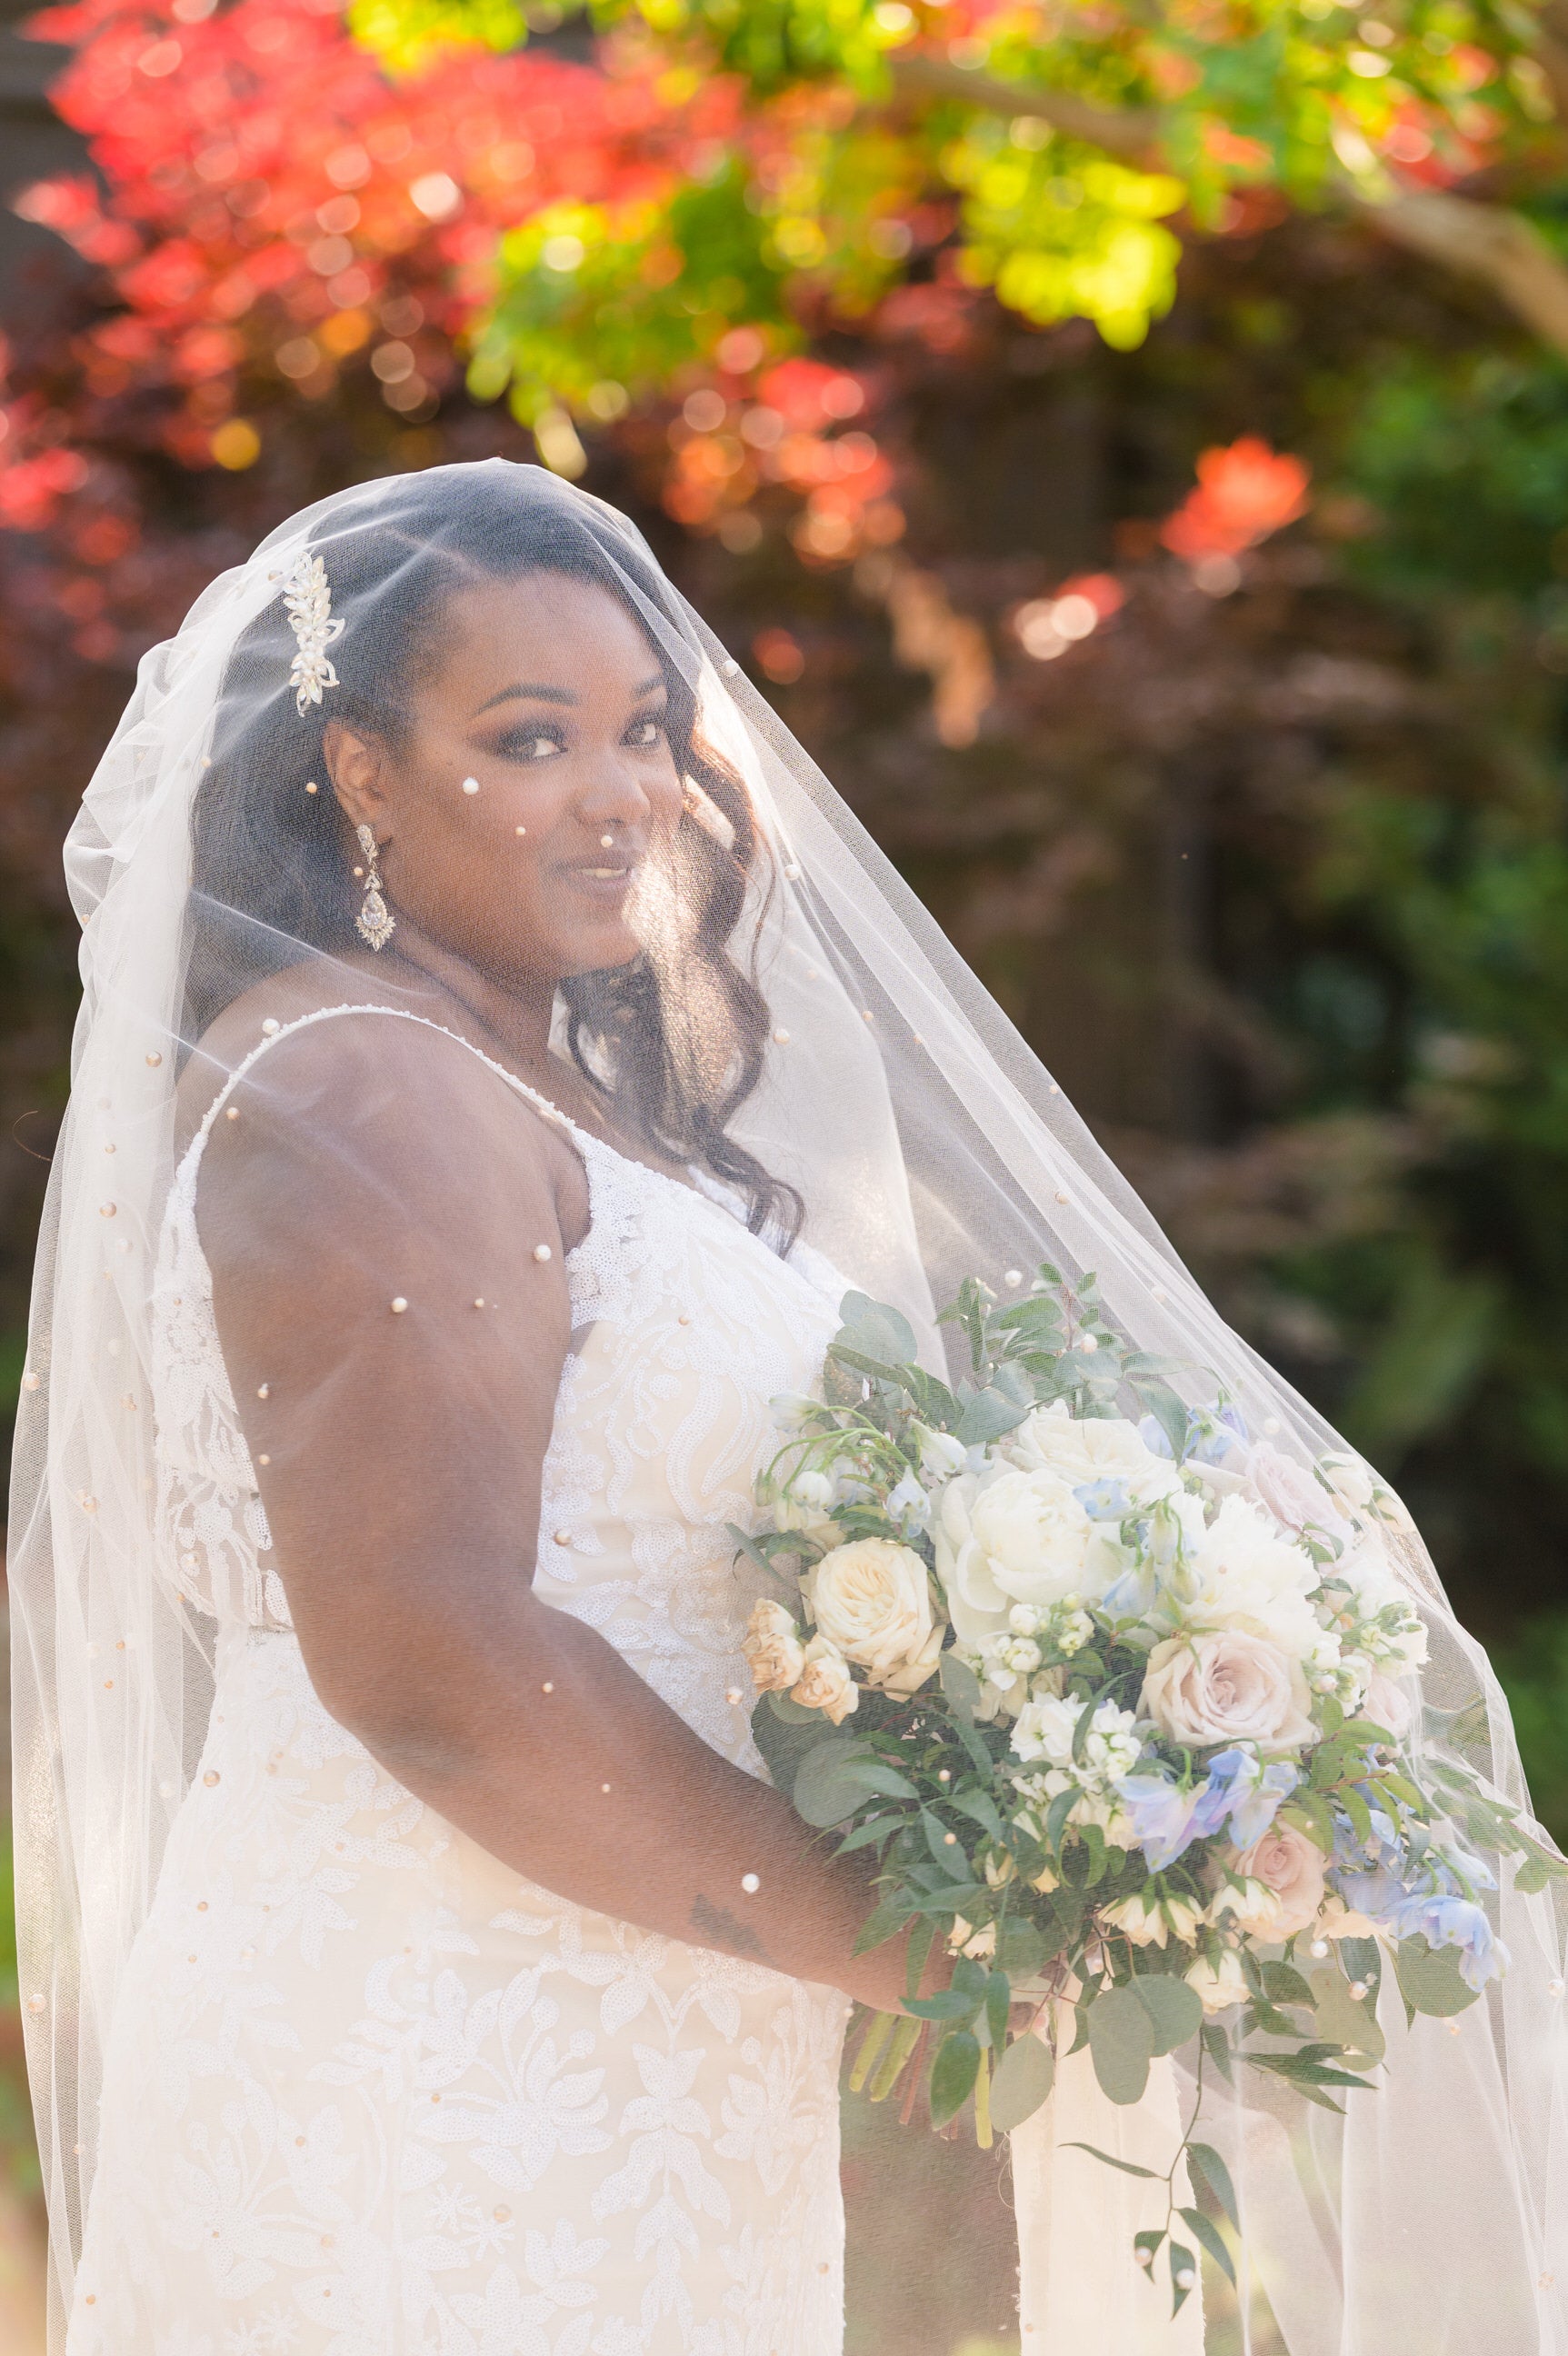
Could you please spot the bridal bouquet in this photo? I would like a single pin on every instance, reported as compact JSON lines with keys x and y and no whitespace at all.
{"x":1121,"y":1697}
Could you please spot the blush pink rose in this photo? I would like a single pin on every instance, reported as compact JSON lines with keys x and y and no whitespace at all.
{"x":1290,"y":1865}
{"x":1226,"y":1687}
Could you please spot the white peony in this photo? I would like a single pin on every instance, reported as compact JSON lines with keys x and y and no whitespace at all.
{"x":871,"y":1599}
{"x":1005,"y":1537}
{"x":1241,"y":1573}
{"x":1229,"y":1687}
{"x":1084,"y":1450}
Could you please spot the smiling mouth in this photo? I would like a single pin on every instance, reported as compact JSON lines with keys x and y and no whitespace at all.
{"x":603,"y":877}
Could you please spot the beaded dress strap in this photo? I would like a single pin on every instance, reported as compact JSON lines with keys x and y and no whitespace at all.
{"x":541,"y":1104}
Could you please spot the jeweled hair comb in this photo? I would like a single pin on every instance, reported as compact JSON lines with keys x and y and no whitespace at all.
{"x":307,"y":596}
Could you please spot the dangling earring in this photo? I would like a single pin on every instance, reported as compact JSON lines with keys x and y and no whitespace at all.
{"x":375,"y":923}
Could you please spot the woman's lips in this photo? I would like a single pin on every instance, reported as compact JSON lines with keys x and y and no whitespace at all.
{"x":606,"y":880}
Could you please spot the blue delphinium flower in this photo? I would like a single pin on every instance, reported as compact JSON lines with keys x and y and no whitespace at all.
{"x":1241,"y":1792}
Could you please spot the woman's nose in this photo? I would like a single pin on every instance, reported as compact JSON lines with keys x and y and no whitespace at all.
{"x":615,"y":793}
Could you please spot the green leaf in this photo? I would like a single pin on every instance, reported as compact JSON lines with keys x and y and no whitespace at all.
{"x":1429,"y":1978}
{"x":882,"y":1923}
{"x":1203,"y":2230}
{"x":1169,"y":1412}
{"x":1534,"y":1874}
{"x":960,"y":1685}
{"x":1344,"y":2018}
{"x":1174,"y":2009}
{"x":998,"y":2003}
{"x":1127,"y":2166}
{"x":830,"y":1784}
{"x":1149,"y":2242}
{"x":784,"y":1743}
{"x":1284,"y":1985}
{"x":1121,"y":2044}
{"x":1217,"y":2045}
{"x":877,"y":1326}
{"x":948,"y":2004}
{"x":1212,"y":2171}
{"x":1021,"y":1949}
{"x":953,"y":2073}
{"x":1182,"y":2262}
{"x":986,"y":1416}
{"x":1024,"y":2078}
{"x":979,"y":1805}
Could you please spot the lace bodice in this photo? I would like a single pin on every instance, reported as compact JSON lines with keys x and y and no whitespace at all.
{"x":685,"y":1325}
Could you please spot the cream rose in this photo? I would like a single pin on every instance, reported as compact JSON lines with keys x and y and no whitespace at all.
{"x":1225,"y":1688}
{"x":772,"y":1645}
{"x":824,"y":1682}
{"x":871,"y":1600}
{"x":1219,"y":1985}
{"x":1090,"y":1449}
{"x":1005,"y":1536}
{"x":1290,"y":1865}
{"x":1251,"y":1906}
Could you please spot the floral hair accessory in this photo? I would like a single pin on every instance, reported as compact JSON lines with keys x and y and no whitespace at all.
{"x":308,"y":600}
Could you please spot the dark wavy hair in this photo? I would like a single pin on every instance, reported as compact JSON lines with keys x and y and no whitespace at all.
{"x":673,"y":1044}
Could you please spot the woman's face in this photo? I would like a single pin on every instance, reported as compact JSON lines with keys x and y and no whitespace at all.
{"x":547,"y":697}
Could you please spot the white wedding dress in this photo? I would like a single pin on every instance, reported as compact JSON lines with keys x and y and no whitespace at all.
{"x":369,"y":2092}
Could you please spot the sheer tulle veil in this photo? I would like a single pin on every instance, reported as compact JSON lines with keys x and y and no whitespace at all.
{"x":927,"y":1145}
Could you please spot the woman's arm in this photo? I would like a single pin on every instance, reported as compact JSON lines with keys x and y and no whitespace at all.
{"x":399,"y":1453}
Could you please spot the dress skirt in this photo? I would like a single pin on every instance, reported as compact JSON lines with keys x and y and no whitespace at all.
{"x":370,"y":2094}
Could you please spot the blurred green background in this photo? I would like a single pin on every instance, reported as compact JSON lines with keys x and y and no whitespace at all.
{"x":1256,"y":822}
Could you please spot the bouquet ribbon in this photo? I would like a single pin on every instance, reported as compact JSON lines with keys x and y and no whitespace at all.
{"x":1076,"y":2217}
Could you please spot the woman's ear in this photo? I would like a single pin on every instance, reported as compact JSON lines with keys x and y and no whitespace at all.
{"x":357,"y":766}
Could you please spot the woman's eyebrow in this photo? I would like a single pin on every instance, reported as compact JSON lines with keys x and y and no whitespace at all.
{"x":532,"y":692}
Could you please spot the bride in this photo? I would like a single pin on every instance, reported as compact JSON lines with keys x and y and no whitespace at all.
{"x":500,"y":1053}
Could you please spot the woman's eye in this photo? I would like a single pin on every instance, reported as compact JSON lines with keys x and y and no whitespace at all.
{"x":644,"y":733}
{"x":539,"y":748}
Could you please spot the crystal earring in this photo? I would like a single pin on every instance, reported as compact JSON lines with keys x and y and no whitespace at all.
{"x":375,"y":923}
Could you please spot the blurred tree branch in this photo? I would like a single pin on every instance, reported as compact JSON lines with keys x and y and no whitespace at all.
{"x":1478,"y":241}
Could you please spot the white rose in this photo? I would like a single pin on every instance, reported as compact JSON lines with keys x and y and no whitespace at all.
{"x":772,"y":1645}
{"x":871,"y":1599}
{"x":825,"y":1683}
{"x":1251,"y":1905}
{"x":1226,"y":1687}
{"x":963,"y":1939}
{"x":1289,"y":1491}
{"x":1003,"y":1537}
{"x":1218,"y":1985}
{"x":1241,"y":1573}
{"x":1137,"y":1918}
{"x":1082,"y":1450}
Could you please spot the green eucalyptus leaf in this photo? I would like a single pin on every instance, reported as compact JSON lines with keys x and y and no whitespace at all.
{"x":830,"y":1782}
{"x":1429,"y":1978}
{"x":1025,"y":2076}
{"x":1174,"y":2009}
{"x":1121,"y":2043}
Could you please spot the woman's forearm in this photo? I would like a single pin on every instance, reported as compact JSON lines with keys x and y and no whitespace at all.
{"x":548,"y":1750}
